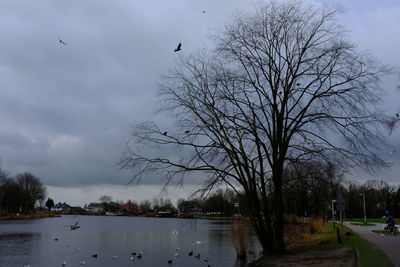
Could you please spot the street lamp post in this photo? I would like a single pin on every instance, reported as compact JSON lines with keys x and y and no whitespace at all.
{"x":365,"y":211}
{"x":333,"y":213}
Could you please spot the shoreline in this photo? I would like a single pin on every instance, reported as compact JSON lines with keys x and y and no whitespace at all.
{"x":28,"y":216}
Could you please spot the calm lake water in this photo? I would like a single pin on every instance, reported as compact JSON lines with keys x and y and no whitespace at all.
{"x":33,"y":242}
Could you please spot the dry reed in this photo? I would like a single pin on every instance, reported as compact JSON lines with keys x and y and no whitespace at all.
{"x":240,"y":233}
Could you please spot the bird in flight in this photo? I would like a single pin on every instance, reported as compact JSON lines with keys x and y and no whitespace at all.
{"x":178,"y":48}
{"x":61,"y":41}
{"x":75,"y":226}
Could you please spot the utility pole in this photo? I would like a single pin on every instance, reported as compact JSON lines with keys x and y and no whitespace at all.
{"x":365,"y":210}
{"x":333,"y":213}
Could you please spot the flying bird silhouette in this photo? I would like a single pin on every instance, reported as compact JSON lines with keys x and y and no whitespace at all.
{"x":178,"y":48}
{"x":61,"y":41}
{"x":75,"y":226}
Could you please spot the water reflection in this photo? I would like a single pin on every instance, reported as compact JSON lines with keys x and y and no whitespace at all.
{"x":16,"y":248}
{"x":35,"y":242}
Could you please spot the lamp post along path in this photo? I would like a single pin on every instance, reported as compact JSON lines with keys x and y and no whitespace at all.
{"x":364,"y":208}
{"x":340,"y":205}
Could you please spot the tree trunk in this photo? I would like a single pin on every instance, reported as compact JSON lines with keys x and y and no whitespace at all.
{"x":278,"y":226}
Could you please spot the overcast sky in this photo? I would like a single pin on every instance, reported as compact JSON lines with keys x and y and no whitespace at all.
{"x":66,"y":110}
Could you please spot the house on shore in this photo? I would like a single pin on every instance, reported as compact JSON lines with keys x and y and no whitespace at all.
{"x":95,"y":207}
{"x":61,"y":207}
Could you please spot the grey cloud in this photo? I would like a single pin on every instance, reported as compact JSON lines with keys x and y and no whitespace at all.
{"x":66,"y":110}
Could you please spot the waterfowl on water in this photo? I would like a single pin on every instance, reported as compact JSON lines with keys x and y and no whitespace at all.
{"x":191,"y":253}
{"x":94,"y":255}
{"x":170,"y":262}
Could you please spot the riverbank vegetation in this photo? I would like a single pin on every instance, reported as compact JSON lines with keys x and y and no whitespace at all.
{"x":20,"y":194}
{"x":322,"y":249}
{"x":36,"y":215}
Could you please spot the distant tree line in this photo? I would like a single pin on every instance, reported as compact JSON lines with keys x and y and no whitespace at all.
{"x":134,"y":207}
{"x":20,"y":193}
{"x":379,"y":197}
{"x":309,"y":190}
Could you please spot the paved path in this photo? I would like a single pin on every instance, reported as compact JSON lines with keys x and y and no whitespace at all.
{"x":390,"y":244}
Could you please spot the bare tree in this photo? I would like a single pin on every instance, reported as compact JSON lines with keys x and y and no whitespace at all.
{"x":145,"y":206}
{"x":105,"y":201}
{"x":281,"y":85}
{"x":32,"y":190}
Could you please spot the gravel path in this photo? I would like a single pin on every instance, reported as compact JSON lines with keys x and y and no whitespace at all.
{"x":390,"y":244}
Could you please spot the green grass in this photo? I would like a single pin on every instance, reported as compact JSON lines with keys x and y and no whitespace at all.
{"x":370,"y":255}
{"x":363,"y":224}
{"x":381,"y":232}
{"x":325,"y":240}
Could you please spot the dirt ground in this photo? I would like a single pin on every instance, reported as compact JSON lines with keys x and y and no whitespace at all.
{"x":344,"y":256}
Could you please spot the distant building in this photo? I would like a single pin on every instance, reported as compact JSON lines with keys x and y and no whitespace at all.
{"x":95,"y":207}
{"x":190,"y":206}
{"x":114,"y":207}
{"x":129,"y":207}
{"x":61,"y":207}
{"x":77,"y":209}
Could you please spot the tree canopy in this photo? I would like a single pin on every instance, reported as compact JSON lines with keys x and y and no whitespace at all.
{"x":282,"y":86}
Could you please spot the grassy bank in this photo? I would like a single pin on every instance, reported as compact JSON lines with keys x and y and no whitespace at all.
{"x":323,"y":249}
{"x":37,"y":215}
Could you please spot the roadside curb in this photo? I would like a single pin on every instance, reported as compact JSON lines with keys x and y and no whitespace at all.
{"x":357,"y":256}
